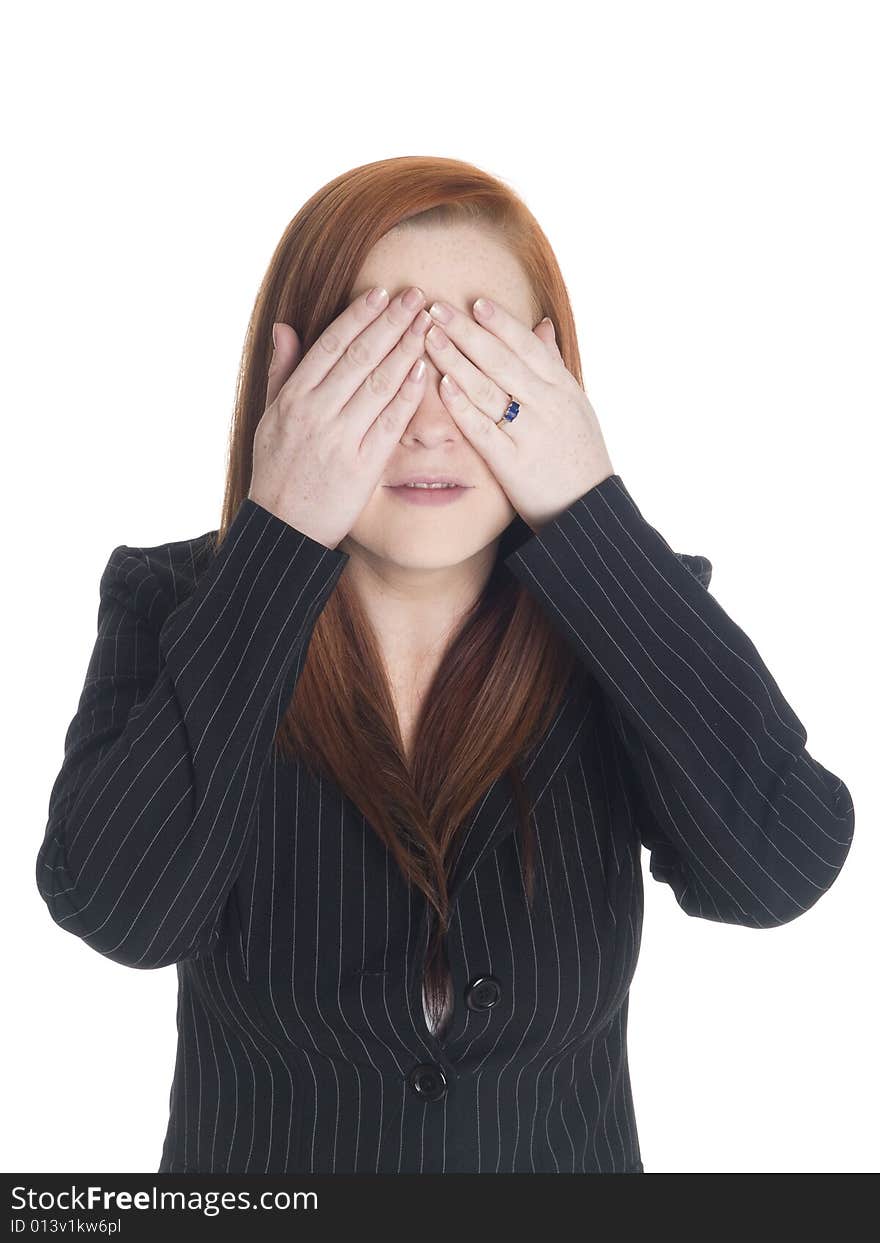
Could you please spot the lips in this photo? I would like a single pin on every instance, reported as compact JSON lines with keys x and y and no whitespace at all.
{"x":428,"y":495}
{"x":437,"y":479}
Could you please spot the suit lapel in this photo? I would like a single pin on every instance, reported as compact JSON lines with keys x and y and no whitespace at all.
{"x":496,"y":816}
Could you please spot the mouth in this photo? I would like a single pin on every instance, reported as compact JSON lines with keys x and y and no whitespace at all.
{"x":429,"y":481}
{"x":428,"y":492}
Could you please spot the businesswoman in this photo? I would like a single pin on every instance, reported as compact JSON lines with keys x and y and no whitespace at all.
{"x":373,"y":762}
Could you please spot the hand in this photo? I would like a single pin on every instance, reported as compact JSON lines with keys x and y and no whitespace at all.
{"x":333,"y":419}
{"x":553,"y":452}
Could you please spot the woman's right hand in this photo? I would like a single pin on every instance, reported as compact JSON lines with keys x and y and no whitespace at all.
{"x":333,"y":419}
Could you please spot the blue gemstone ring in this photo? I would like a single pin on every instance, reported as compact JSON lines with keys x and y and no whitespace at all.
{"x":510,"y":413}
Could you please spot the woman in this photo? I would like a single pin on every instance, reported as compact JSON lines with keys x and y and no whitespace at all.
{"x":372,"y":764}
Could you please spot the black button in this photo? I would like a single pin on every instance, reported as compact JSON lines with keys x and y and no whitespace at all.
{"x":483,"y":992}
{"x":428,"y":1081}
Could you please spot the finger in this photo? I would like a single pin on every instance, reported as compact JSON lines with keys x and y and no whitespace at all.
{"x":547,"y":334}
{"x":286,"y":353}
{"x":382,"y":384}
{"x":482,"y":391}
{"x":366,"y":349}
{"x":501,"y":345}
{"x":385,"y":432}
{"x":495,"y":446}
{"x":338,"y":336}
{"x":497,"y":319}
{"x":364,"y":364}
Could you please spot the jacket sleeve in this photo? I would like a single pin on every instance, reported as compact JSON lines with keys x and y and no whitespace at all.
{"x":742,"y":823}
{"x":149,"y":816}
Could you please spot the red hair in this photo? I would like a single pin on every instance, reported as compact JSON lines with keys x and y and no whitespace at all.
{"x":505,"y":671}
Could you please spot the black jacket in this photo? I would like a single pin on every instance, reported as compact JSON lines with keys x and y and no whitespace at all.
{"x":176,"y":835}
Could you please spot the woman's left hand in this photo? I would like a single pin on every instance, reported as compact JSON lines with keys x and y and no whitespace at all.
{"x":553,"y":451}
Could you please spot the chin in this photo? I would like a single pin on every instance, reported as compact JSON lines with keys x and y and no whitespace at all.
{"x":413,"y":543}
{"x":426,"y":554}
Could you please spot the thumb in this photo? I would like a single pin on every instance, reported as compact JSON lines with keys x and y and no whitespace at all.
{"x":545,"y":332}
{"x":286,"y":353}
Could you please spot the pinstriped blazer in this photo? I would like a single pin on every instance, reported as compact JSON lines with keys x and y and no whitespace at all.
{"x":176,"y":835}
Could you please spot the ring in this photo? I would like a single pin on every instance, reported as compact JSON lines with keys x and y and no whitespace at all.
{"x":509,"y":414}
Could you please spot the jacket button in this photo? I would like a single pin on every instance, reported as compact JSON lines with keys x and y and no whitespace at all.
{"x":428,"y":1081}
{"x":483,"y":992}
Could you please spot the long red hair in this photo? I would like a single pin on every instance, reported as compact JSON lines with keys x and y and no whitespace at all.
{"x":505,"y":671}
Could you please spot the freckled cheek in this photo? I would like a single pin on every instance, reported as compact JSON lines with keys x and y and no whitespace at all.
{"x":490,"y":509}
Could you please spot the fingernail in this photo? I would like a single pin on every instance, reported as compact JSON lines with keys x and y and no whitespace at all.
{"x":274,"y":338}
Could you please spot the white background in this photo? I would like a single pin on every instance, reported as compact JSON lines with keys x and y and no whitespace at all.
{"x":707,"y":174}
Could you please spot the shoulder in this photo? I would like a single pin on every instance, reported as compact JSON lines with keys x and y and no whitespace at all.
{"x":154,"y":579}
{"x":699,"y":566}
{"x":177,"y":566}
